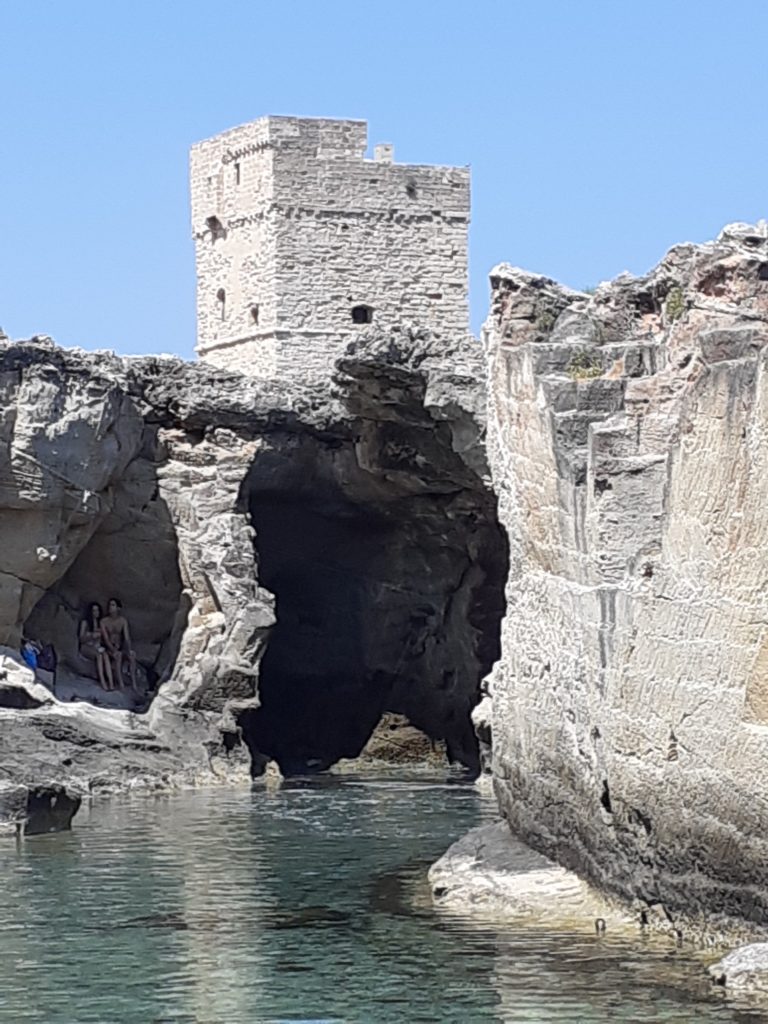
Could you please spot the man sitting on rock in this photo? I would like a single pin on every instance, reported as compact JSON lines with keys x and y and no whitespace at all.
{"x":117,"y":639}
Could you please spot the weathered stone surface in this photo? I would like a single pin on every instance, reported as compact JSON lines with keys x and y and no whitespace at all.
{"x":628,"y":436}
{"x":490,"y":874}
{"x":200,"y":498}
{"x":103,"y":494}
{"x":744,"y":969}
{"x":295,"y":229}
{"x":18,"y":688}
{"x":91,"y":749}
{"x":67,"y":433}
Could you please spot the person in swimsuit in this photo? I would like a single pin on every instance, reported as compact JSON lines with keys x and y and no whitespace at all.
{"x":92,"y":645}
{"x":117,"y":639}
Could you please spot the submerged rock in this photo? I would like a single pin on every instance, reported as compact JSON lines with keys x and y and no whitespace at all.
{"x":309,"y":917}
{"x":13,"y":808}
{"x":490,"y":874}
{"x":743,"y":970}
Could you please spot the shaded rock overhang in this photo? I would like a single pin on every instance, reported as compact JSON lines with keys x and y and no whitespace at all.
{"x":386,"y":559}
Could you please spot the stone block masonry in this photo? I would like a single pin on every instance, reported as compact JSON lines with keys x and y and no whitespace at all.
{"x":301,"y":242}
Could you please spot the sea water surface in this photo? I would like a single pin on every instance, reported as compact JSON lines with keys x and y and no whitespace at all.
{"x":304,"y":904}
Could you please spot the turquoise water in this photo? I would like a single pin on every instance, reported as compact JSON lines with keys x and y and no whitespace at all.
{"x":306,"y":904}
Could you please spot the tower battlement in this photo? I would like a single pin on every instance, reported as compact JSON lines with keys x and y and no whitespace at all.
{"x":300,"y":241}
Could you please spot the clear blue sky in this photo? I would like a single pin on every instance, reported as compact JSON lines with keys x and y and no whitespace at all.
{"x":599,"y":133}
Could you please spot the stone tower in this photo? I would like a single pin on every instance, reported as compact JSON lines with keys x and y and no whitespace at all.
{"x":300,"y":241}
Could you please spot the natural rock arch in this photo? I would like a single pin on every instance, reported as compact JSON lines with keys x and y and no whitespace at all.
{"x":381,"y":545}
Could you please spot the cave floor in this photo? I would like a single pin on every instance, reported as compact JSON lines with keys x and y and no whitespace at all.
{"x":72,"y":687}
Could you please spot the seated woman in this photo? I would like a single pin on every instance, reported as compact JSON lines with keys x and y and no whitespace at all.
{"x":92,"y":645}
{"x":117,"y":639}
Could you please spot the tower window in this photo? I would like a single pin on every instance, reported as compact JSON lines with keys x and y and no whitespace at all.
{"x":237,"y":174}
{"x":221,"y":299}
{"x":362,"y":314}
{"x":410,"y":189}
{"x":255,"y":313}
{"x":216,"y":228}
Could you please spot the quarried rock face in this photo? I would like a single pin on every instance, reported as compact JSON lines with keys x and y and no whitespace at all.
{"x":628,"y":436}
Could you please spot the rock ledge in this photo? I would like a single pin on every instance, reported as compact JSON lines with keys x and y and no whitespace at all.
{"x":490,"y":874}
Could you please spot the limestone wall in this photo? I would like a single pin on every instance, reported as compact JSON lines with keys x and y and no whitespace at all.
{"x":294,"y":228}
{"x":629,"y":442}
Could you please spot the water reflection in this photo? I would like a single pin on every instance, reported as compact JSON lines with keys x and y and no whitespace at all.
{"x":305,"y":904}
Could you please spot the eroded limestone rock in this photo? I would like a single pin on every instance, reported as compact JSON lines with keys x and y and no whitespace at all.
{"x":50,"y":808}
{"x":375,"y":533}
{"x":18,"y":688}
{"x":744,"y":969}
{"x":628,"y":436}
{"x":13,"y":808}
{"x":68,"y":431}
{"x":490,"y":874}
{"x":102,"y":493}
{"x":378,"y":536}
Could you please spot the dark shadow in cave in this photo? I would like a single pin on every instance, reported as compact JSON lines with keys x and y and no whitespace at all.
{"x":319,"y":702}
{"x":132,"y":555}
{"x":381,"y":606}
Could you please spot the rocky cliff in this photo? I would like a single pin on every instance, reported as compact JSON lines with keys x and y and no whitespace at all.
{"x":295,"y":564}
{"x":351,"y":536}
{"x":628,"y":436}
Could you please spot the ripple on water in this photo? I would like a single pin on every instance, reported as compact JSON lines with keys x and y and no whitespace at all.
{"x":308,"y":904}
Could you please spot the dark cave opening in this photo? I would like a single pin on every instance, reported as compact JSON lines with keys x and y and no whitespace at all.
{"x":389,"y":605}
{"x":319,"y":702}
